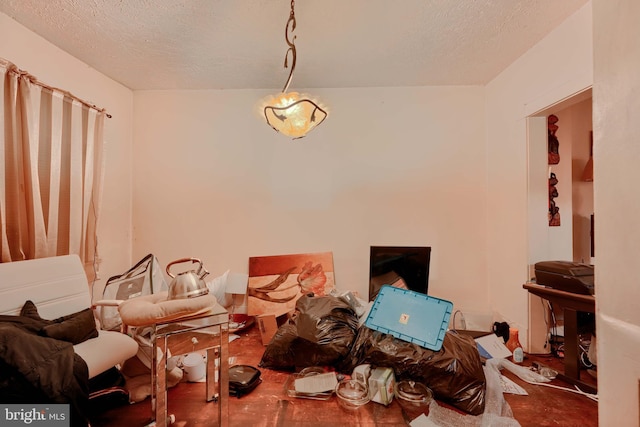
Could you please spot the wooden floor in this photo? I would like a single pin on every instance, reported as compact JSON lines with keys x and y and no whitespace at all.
{"x":268,"y":405}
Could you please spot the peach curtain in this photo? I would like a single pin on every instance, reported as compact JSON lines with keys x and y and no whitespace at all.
{"x":51,"y":149}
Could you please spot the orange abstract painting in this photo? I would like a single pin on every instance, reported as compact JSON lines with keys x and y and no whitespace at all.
{"x":276,"y":282}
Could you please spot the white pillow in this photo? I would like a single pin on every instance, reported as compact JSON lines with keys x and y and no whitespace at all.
{"x":156,"y":308}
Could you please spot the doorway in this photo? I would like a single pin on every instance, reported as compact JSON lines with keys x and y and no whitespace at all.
{"x":571,"y":238}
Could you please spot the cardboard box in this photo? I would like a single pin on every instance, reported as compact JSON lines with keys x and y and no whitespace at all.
{"x":269,"y":324}
{"x":382,"y":382}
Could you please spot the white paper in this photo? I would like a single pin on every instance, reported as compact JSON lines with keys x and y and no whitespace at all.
{"x":510,"y":387}
{"x":493,"y":345}
{"x":236,"y":283}
{"x":316,"y":383}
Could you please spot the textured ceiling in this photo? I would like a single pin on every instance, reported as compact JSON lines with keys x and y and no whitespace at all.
{"x":238,"y":44}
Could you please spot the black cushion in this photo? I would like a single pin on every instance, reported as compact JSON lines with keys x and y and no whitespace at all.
{"x":74,"y":328}
{"x":30,"y":310}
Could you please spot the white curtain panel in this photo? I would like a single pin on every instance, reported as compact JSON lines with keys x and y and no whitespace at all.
{"x":51,"y":147}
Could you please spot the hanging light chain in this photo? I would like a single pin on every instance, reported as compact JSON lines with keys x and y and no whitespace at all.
{"x":291,"y":24}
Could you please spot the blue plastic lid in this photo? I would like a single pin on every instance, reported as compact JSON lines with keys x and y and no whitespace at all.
{"x":410,"y":316}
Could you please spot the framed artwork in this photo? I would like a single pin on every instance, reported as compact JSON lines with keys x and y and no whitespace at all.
{"x":554,"y":159}
{"x":553,"y":143}
{"x":277,"y":281}
{"x":554,"y":211}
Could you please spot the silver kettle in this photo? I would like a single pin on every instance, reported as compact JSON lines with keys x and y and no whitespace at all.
{"x":188,"y":284}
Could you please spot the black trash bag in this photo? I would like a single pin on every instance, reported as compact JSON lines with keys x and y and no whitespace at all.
{"x":319,"y":333}
{"x":454,"y":374}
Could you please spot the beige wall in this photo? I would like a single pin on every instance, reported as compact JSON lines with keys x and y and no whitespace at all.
{"x":55,"y":67}
{"x":617,"y":206}
{"x":557,"y":240}
{"x":390,"y":166}
{"x":579,"y":126}
{"x":554,"y":69}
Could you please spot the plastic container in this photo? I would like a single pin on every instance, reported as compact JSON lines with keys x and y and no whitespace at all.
{"x":514,"y":346}
{"x":414,"y":398}
{"x":290,"y":384}
{"x":382,"y":382}
{"x":410,"y":316}
{"x":194,"y":367}
{"x":352,"y":394}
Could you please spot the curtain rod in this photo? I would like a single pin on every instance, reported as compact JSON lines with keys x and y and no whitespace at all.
{"x":12,"y":68}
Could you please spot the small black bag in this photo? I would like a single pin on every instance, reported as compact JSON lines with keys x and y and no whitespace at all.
{"x":243,"y":379}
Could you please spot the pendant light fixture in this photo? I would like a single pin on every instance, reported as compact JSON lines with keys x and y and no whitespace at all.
{"x":291,"y":113}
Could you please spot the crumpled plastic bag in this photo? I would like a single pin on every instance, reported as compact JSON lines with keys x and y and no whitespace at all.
{"x":497,"y":412}
{"x":319,"y":333}
{"x":218,"y":288}
{"x":454,"y":373}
